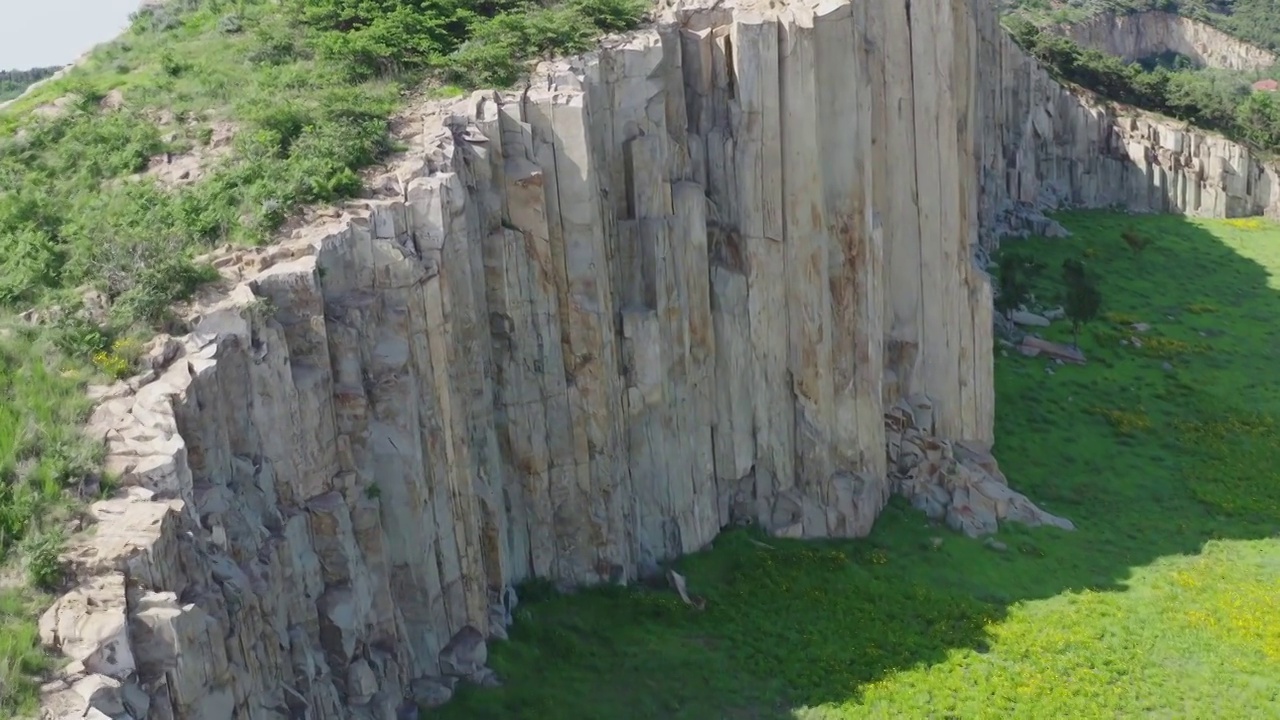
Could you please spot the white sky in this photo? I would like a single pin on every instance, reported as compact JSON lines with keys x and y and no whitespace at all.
{"x":39,"y":33}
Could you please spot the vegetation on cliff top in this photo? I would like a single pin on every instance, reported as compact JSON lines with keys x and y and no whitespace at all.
{"x":208,"y":121}
{"x":1164,"y":452}
{"x":1218,"y":100}
{"x":1214,"y":99}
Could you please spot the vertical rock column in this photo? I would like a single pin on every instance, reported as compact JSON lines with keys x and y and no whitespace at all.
{"x":667,"y":347}
{"x":587,"y":496}
{"x":531,"y":399}
{"x":938,"y":190}
{"x":895,"y":195}
{"x":855,"y":255}
{"x":728,"y":372}
{"x":305,"y":477}
{"x":757,"y":128}
{"x":923,"y":159}
{"x":805,"y":244}
{"x":977,"y":344}
{"x":480,"y":191}
{"x":434,"y":206}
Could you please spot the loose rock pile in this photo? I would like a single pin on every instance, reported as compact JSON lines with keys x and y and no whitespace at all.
{"x":956,"y":481}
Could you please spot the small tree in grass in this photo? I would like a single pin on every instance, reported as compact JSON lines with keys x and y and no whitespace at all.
{"x":1016,"y":275}
{"x":1136,"y":241}
{"x":1084,"y":300}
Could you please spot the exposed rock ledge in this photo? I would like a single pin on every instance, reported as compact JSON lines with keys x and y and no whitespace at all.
{"x":1135,"y":36}
{"x":672,"y":287}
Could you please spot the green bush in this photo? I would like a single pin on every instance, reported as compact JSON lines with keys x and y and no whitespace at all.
{"x":471,"y":43}
{"x":41,"y":556}
{"x":14,"y":82}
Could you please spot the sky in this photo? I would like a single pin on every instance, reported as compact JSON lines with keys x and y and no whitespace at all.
{"x":55,"y":32}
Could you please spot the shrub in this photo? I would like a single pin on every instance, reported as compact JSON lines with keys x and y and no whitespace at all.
{"x":486,"y":43}
{"x":42,"y":559}
{"x":1017,"y":275}
{"x":230,"y":24}
{"x":1083,"y":301}
{"x":1125,"y":422}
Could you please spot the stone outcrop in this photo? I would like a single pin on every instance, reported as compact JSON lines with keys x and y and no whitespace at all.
{"x":1135,"y":36}
{"x":682,"y":282}
{"x":1047,"y":146}
{"x":956,"y":482}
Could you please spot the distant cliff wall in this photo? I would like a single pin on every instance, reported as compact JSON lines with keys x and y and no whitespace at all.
{"x":1140,"y":35}
{"x":1045,"y":146}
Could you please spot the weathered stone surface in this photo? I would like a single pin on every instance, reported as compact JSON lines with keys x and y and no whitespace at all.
{"x":465,"y":654}
{"x":1029,"y":319}
{"x":1135,"y":36}
{"x":90,"y":627}
{"x":430,"y":693}
{"x":671,"y":286}
{"x":955,"y":481}
{"x":102,"y":693}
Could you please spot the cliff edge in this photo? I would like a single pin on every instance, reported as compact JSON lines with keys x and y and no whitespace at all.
{"x":719,"y":271}
{"x":1135,"y":36}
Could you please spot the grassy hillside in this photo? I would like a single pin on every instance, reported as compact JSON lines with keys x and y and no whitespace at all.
{"x":1163,"y":602}
{"x":209,"y":121}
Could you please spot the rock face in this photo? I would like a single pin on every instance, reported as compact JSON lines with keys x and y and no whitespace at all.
{"x":1140,"y":35}
{"x":673,"y":286}
{"x":957,"y":482}
{"x":1047,"y":147}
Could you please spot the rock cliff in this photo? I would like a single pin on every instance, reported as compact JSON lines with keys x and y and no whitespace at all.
{"x":716,"y":272}
{"x":1140,"y":35}
{"x":1048,"y":146}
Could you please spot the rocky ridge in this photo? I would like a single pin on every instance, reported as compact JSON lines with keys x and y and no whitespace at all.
{"x":1048,"y":146}
{"x":1135,"y":36}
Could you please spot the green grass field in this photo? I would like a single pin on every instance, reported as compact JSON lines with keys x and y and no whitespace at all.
{"x":1165,"y":602}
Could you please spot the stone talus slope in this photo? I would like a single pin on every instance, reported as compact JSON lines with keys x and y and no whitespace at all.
{"x":1047,"y":146}
{"x":1142,"y":35}
{"x":680,"y":283}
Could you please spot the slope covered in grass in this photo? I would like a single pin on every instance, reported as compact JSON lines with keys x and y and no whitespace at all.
{"x":1162,"y":604}
{"x":209,"y":121}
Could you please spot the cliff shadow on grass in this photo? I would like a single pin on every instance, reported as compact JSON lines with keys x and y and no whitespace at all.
{"x":1163,"y":451}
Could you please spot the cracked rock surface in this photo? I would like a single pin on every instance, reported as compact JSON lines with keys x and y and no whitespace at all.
{"x":578,"y":329}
